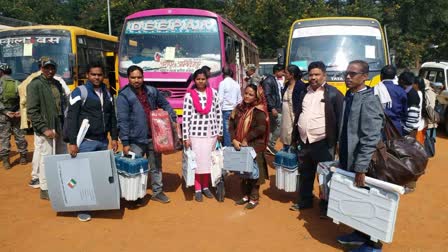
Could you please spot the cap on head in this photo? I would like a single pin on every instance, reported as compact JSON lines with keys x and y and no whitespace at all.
{"x":251,"y":67}
{"x":4,"y":67}
{"x":49,"y":62}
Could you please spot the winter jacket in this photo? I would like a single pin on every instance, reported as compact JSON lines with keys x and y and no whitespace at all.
{"x":101,"y":118}
{"x":364,"y":121}
{"x":41,"y":105}
{"x":271,"y":92}
{"x":132,"y":123}
{"x":333,"y":99}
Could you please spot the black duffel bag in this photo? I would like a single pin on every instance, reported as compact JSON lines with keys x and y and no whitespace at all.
{"x":398,"y":159}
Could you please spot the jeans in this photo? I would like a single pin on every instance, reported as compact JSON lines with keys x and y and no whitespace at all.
{"x":154,"y":162}
{"x":225,"y":122}
{"x":93,"y":145}
{"x":431,"y":132}
{"x":274,"y":129}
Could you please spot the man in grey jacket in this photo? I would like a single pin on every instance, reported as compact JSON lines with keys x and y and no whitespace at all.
{"x":362,"y":121}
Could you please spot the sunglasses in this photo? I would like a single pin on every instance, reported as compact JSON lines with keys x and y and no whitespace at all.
{"x":352,"y":74}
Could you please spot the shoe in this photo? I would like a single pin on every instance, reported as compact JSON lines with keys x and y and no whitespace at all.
{"x":161,"y":197}
{"x":242,"y":201}
{"x":23,"y":160}
{"x":323,"y":213}
{"x":366,"y":248}
{"x":34,"y":183}
{"x":301,"y":206}
{"x":84,"y":217}
{"x":352,"y":239}
{"x":207,"y":193}
{"x":6,"y":163}
{"x":251,"y":205}
{"x":408,"y":190}
{"x":139,"y":202}
{"x":198,"y":196}
{"x":271,"y":150}
{"x":44,"y":195}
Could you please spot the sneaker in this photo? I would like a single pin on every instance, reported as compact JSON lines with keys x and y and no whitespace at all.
{"x":366,"y":248}
{"x":242,"y":201}
{"x":207,"y":193}
{"x":352,"y":239}
{"x":84,"y":217}
{"x":198,"y":196}
{"x":271,"y":150}
{"x":251,"y":205}
{"x":44,"y":195}
{"x":34,"y":183}
{"x":23,"y":160}
{"x":161,"y":197}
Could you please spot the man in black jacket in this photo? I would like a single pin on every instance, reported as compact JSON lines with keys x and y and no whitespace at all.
{"x":98,"y":107}
{"x":95,"y":104}
{"x":315,"y":130}
{"x":273,"y":91}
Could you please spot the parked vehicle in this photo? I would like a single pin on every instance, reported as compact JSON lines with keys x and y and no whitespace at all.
{"x":436,"y":72}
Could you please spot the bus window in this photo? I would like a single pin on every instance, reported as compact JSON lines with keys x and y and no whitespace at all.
{"x":23,"y":52}
{"x":177,"y":44}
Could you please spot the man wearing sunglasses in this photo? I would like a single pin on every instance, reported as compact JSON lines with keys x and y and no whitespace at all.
{"x":362,"y":121}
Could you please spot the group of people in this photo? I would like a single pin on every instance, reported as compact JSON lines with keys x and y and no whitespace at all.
{"x":314,"y":118}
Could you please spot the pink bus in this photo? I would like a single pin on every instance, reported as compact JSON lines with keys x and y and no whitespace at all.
{"x":170,"y":44}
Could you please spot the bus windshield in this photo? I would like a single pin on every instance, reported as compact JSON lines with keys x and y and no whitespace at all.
{"x":22,"y":52}
{"x":170,"y":44}
{"x":336,"y":46}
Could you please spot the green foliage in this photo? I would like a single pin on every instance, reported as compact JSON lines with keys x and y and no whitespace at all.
{"x":412,"y":25}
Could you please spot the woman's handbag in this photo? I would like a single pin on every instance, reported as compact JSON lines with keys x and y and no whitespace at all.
{"x":397,"y":159}
{"x":217,"y":164}
{"x":188,"y":166}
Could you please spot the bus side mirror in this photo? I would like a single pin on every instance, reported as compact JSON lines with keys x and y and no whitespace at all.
{"x":281,"y":52}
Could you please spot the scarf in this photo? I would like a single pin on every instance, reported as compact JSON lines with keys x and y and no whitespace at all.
{"x":381,"y":91}
{"x":246,"y":112}
{"x":197,"y":104}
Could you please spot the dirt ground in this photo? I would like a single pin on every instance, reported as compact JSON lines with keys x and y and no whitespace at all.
{"x":29,"y":223}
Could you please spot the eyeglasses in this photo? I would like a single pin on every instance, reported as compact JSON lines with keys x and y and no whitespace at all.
{"x":352,"y":74}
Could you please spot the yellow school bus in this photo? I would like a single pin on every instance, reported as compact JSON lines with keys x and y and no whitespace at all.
{"x":73,"y":48}
{"x":336,"y":41}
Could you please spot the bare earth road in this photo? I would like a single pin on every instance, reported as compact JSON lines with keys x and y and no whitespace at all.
{"x":29,"y":224}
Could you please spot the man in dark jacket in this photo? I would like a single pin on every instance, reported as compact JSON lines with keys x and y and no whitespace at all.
{"x":98,"y":107}
{"x":134,"y":105}
{"x":362,"y":121}
{"x":315,"y":130}
{"x":392,"y":97}
{"x":273,"y":93}
{"x":45,"y":107}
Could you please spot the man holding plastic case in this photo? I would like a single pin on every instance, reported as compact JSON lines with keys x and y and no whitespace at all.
{"x":45,"y":108}
{"x":315,"y":129}
{"x":97,"y":106}
{"x":134,"y":104}
{"x":362,"y":121}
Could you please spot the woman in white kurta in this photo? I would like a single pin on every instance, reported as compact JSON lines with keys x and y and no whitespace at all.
{"x":202,"y":126}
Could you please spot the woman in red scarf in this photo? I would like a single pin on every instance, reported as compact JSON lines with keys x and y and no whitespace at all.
{"x":201,"y":126}
{"x":249,"y":126}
